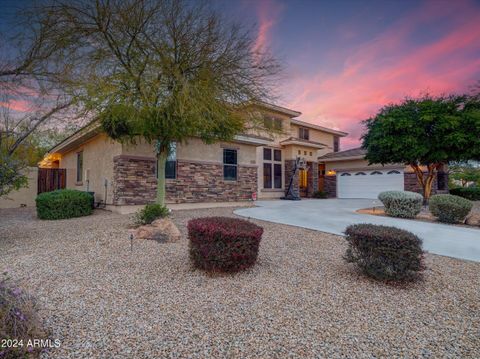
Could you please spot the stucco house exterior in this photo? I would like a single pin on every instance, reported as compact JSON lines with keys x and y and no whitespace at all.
{"x":250,"y":166}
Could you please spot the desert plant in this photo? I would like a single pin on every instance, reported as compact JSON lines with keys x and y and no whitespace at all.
{"x":63,"y":203}
{"x":223,"y":244}
{"x":449,"y":208}
{"x":319,"y":194}
{"x":149,"y":213}
{"x":401,"y":204}
{"x":384,"y":253}
{"x":19,"y":321}
{"x":471,"y":193}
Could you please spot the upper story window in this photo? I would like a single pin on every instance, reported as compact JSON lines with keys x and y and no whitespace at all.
{"x":267,"y":154}
{"x":274,"y":123}
{"x":336,"y":144}
{"x":303,"y":133}
{"x":79,"y":166}
{"x":230,"y":164}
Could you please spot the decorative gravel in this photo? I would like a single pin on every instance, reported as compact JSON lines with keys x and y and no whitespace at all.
{"x":300,"y":300}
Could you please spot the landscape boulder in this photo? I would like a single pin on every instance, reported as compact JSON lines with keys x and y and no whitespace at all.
{"x":162,"y":230}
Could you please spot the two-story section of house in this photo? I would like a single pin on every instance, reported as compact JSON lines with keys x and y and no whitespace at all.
{"x":289,"y":140}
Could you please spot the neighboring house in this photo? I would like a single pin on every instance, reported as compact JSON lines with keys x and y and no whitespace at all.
{"x":348,"y":175}
{"x":252,"y":164}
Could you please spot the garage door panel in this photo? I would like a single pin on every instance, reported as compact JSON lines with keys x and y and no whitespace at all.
{"x":368,"y":185}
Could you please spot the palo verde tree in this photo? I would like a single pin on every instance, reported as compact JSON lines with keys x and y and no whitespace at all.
{"x":426,"y":134}
{"x":164,"y":71}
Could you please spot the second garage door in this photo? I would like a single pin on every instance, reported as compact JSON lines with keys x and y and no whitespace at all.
{"x":368,"y":184}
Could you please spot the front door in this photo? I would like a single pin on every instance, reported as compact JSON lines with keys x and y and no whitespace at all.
{"x":303,"y":182}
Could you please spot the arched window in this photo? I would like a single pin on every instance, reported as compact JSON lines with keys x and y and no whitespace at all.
{"x":345,"y":174}
{"x":360,"y":174}
{"x":393,"y":172}
{"x":376,"y":173}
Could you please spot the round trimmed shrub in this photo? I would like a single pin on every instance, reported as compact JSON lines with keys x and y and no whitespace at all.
{"x":449,"y":208}
{"x":401,"y":204}
{"x":384,"y":253}
{"x":223,"y":244}
{"x":63,"y":203}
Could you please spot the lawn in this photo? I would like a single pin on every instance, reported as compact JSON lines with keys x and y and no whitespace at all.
{"x":301,"y":299}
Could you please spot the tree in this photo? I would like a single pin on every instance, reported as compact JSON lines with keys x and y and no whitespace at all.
{"x":426,"y":134}
{"x":164,"y":71}
{"x":465,"y":173}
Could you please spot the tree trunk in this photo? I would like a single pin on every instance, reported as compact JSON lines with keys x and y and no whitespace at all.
{"x":426,"y":182}
{"x":161,"y":161}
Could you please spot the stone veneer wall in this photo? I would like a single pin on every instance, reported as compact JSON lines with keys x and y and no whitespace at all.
{"x":411,"y":183}
{"x":135,"y":182}
{"x":289,"y":166}
{"x":330,"y":186}
{"x":312,"y":179}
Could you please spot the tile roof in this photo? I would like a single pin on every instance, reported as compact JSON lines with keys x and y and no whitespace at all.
{"x":354,"y":152}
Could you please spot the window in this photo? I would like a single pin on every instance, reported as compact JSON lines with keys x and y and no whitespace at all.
{"x":303,"y":133}
{"x":360,"y":174}
{"x":277,"y":155}
{"x":311,"y":154}
{"x":171,"y":164}
{"x":267,"y":175}
{"x":229,"y":164}
{"x":272,"y":123}
{"x":79,"y":166}
{"x":277,"y":175}
{"x":336,"y":144}
{"x":345,"y":174}
{"x":393,"y":172}
{"x":304,"y":153}
{"x":299,"y":152}
{"x":272,"y":168}
{"x":376,"y":173}
{"x":267,"y":154}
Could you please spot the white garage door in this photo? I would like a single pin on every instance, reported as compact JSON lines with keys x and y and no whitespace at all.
{"x":368,"y":184}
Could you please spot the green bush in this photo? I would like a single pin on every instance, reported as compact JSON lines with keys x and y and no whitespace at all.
{"x":401,"y":204}
{"x":384,"y":253}
{"x":319,"y":194}
{"x":150,"y":213}
{"x":63,"y":203}
{"x":450,"y":209}
{"x":471,"y":193}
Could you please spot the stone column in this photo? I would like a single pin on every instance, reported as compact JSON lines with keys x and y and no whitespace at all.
{"x":312,"y":178}
{"x":289,"y":166}
{"x":330,"y":186}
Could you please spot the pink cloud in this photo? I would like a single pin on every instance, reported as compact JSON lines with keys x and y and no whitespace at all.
{"x":17,"y":105}
{"x":268,"y":13}
{"x":390,"y":67}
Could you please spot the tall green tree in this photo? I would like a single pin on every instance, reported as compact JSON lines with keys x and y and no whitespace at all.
{"x":426,"y":134}
{"x":465,"y":173}
{"x":164,"y":70}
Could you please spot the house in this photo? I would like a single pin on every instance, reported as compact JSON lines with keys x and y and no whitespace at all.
{"x":124,"y":175}
{"x":348,"y":175}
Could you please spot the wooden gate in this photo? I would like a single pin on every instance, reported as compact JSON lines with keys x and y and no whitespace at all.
{"x":51,"y":179}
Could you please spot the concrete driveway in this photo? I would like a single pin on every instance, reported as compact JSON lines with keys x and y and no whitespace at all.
{"x":334,"y":215}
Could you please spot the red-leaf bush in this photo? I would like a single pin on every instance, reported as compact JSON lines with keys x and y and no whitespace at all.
{"x":384,"y":253}
{"x":223,"y":244}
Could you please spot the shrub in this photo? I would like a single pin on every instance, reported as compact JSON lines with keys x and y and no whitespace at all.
{"x":471,"y":193}
{"x":319,"y":194}
{"x":223,"y":244}
{"x":18,"y":320}
{"x":448,"y":208}
{"x":150,"y":213}
{"x":63,"y":203}
{"x":384,"y":253}
{"x":401,"y":204}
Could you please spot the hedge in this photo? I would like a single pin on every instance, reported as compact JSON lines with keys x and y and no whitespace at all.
{"x":63,"y":203}
{"x":401,"y":204}
{"x":471,"y":193}
{"x":449,"y":208}
{"x":223,"y":244}
{"x":384,"y":253}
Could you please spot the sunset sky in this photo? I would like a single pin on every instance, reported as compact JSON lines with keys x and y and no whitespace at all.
{"x":345,"y":59}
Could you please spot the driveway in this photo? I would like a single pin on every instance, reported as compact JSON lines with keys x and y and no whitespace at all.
{"x":334,"y":215}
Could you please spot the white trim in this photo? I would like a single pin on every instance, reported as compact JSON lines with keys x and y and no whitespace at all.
{"x":317,"y":127}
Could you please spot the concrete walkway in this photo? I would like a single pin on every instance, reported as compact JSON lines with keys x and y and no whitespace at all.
{"x":334,"y":215}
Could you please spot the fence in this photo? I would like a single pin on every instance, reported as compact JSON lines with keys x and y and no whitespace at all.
{"x":51,"y":179}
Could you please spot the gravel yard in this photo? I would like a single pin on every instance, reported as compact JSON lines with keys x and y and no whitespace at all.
{"x":301,"y":299}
